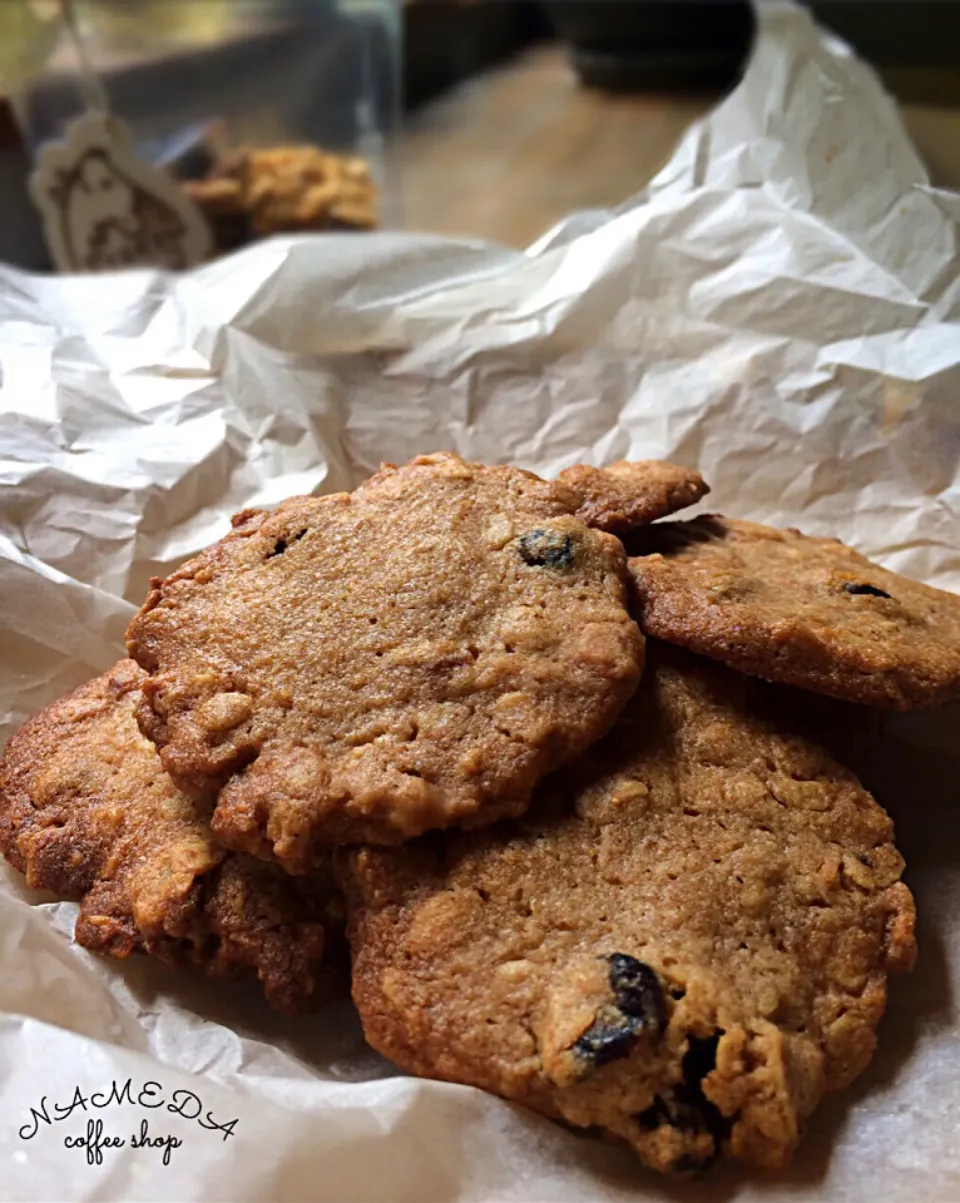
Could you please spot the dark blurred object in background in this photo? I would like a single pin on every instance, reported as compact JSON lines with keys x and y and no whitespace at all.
{"x":913,"y":44}
{"x":446,"y":41}
{"x":663,"y":45}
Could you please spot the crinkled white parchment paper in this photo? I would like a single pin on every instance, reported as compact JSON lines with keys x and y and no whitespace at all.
{"x":780,"y":308}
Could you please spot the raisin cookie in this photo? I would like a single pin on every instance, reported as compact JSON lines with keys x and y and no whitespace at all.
{"x":628,"y":494}
{"x":87,"y":811}
{"x":684,"y":946}
{"x":368,"y":666}
{"x":803,"y":611}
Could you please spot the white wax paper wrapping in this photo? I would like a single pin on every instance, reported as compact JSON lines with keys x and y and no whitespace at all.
{"x":781,"y":308}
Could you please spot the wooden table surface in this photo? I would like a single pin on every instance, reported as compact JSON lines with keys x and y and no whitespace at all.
{"x":507,"y":154}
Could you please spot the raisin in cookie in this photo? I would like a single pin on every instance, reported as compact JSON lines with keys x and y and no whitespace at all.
{"x":368,"y":666}
{"x":87,"y":812}
{"x":803,"y":611}
{"x":685,"y":945}
{"x":627,"y":494}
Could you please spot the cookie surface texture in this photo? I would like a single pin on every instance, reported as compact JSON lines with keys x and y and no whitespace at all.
{"x":87,"y":812}
{"x":628,"y":494}
{"x":685,"y":945}
{"x":369,"y":666}
{"x":799,"y":610}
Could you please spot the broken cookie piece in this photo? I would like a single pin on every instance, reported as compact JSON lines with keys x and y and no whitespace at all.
{"x":627,"y":495}
{"x":87,"y":812}
{"x":684,"y":944}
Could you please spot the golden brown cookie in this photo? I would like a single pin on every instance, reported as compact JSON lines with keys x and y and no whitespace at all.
{"x":252,"y":193}
{"x":802,"y":611}
{"x":630,"y":494}
{"x":87,"y":812}
{"x":368,"y":666}
{"x":684,"y":945}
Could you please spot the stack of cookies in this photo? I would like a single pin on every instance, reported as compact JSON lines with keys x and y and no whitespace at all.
{"x":514,"y":742}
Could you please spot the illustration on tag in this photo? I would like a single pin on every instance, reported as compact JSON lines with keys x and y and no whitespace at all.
{"x":104,"y":209}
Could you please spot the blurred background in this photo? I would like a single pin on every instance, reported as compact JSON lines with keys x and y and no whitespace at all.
{"x":479,"y":118}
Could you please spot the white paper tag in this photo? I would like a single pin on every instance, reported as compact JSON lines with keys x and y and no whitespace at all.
{"x":103,"y":209}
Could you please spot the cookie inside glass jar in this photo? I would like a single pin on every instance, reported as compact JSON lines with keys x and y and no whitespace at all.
{"x":252,"y":193}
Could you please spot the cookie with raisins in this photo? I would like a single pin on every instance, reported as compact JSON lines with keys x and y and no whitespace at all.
{"x":798,"y":610}
{"x":365,"y":667}
{"x":684,"y":943}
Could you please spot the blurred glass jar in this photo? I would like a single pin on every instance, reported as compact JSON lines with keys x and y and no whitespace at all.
{"x":276,"y":115}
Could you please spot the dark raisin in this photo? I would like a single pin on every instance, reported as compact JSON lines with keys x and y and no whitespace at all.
{"x":637,"y":990}
{"x":638,"y":1006}
{"x":864,"y":590}
{"x":543,"y":548}
{"x":605,"y":1042}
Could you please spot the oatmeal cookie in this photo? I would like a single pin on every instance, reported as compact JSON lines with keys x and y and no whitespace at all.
{"x":799,"y":610}
{"x":252,"y":193}
{"x":683,"y":946}
{"x":365,"y":667}
{"x":87,"y":812}
{"x":630,"y":494}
